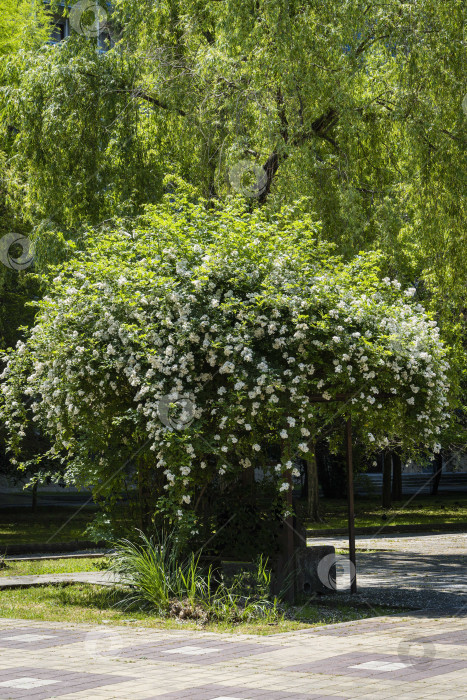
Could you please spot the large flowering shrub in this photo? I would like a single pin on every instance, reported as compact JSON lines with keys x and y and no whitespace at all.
{"x":234,"y":320}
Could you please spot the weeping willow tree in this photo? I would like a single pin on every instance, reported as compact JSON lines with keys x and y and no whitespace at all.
{"x":23,"y":25}
{"x":357,"y":106}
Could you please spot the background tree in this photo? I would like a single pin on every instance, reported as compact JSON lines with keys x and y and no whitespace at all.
{"x":24,"y":25}
{"x":345,"y":104}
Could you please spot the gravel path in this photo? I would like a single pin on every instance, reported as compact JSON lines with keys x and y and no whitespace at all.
{"x":424,"y":572}
{"x":423,"y":543}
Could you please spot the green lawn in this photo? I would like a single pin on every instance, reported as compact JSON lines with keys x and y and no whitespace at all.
{"x":422,"y":510}
{"x":52,"y":566}
{"x":86,"y":603}
{"x":23,"y":526}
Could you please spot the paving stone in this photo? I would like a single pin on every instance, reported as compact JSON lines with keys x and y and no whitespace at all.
{"x":27,"y":638}
{"x":455,"y":637}
{"x":205,"y":651}
{"x":40,"y":683}
{"x":223,"y":692}
{"x":393,"y":667}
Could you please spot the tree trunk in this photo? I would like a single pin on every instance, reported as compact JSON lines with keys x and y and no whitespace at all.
{"x":143,"y":499}
{"x":396,"y":476}
{"x":312,"y":486}
{"x":248,"y":477}
{"x":285,"y":564}
{"x":437,"y":471}
{"x":34,"y":496}
{"x":387,"y":464}
{"x":140,"y":499}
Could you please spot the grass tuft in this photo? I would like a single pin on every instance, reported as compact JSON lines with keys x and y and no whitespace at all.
{"x":160,"y":579}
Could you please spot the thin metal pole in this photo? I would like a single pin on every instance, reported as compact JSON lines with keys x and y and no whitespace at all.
{"x":290,"y":595}
{"x":350,"y":500}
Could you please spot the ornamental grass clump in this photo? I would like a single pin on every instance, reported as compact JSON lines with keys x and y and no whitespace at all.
{"x":156,"y":573}
{"x":162,"y":580}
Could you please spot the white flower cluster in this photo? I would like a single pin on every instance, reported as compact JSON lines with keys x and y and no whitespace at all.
{"x":247,"y":331}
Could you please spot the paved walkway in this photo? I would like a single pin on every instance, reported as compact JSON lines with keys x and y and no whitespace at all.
{"x":82,"y":554}
{"x":412,"y":656}
{"x":403,"y":657}
{"x":98,"y":577}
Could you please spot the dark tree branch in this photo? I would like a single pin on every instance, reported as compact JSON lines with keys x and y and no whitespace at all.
{"x":159,"y":103}
{"x":282,"y":116}
{"x":209,"y":36}
{"x":270,"y":167}
{"x":319,"y":128}
{"x":325,"y":122}
{"x":366,"y":43}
